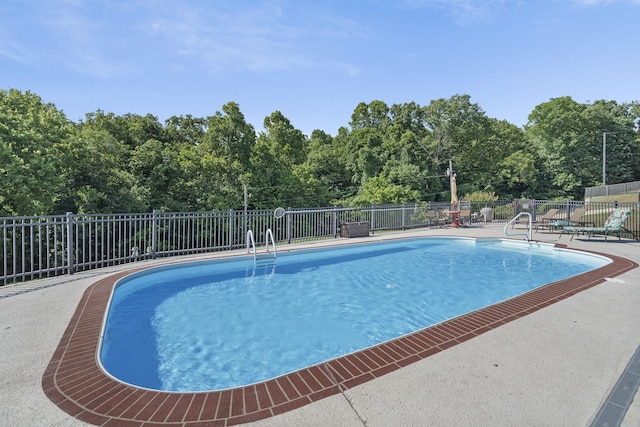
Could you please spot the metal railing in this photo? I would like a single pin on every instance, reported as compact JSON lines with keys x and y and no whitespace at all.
{"x":44,"y":246}
{"x":526,"y":235}
{"x":612,"y":189}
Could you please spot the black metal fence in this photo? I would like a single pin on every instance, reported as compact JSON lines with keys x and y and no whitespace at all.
{"x":613,"y":190}
{"x":44,"y":246}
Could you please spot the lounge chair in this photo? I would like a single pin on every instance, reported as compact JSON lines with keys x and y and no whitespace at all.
{"x":613,"y":226}
{"x":575,"y":220}
{"x":546,"y":219}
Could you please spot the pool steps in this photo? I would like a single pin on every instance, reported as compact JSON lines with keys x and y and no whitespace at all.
{"x":251,"y":244}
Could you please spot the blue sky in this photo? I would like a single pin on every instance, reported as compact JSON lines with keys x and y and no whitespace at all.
{"x":316,"y":60}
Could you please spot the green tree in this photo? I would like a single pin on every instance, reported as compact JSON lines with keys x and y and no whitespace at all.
{"x":31,"y":133}
{"x":157,"y":173}
{"x":185,"y":134}
{"x":407,"y":162}
{"x":284,"y":139}
{"x":555,"y":129}
{"x":508,"y":165}
{"x":97,"y":176}
{"x":567,"y":138}
{"x":326,"y":169}
{"x":618,"y":121}
{"x":130,"y":129}
{"x":279,"y":150}
{"x":378,"y":190}
{"x":229,"y":136}
{"x":517,"y":176}
{"x":459,"y":130}
{"x":364,"y":152}
{"x":216,"y":166}
{"x":185,"y":129}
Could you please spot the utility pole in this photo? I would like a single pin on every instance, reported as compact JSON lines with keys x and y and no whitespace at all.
{"x":604,"y":158}
{"x":244,"y":187}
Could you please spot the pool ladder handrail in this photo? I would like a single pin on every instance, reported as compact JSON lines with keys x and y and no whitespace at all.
{"x":268,"y":234}
{"x":251,"y":243}
{"x":527,"y":236}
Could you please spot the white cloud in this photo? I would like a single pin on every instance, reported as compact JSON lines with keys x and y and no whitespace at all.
{"x":13,"y":51}
{"x":108,"y":39}
{"x":78,"y":35}
{"x":11,"y":47}
{"x":263,"y":37}
{"x":227,"y":39}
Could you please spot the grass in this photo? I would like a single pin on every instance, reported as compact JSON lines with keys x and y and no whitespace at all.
{"x":623,"y":198}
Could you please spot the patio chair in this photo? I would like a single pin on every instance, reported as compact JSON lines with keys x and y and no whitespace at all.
{"x":613,"y":226}
{"x":575,"y":220}
{"x":465,"y":217}
{"x":548,"y":217}
{"x":435,"y":218}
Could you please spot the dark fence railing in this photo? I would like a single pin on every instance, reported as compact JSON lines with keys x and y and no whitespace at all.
{"x":612,"y":190}
{"x":44,"y":246}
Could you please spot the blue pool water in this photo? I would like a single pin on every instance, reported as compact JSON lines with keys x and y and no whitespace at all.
{"x":213,"y":325}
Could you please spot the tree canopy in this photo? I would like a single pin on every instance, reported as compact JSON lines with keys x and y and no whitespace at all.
{"x":388,"y":154}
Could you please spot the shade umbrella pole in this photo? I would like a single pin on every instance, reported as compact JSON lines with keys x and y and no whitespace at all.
{"x":454,"y":196}
{"x":454,"y":192}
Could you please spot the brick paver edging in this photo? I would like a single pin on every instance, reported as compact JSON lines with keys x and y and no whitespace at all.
{"x":75,"y":382}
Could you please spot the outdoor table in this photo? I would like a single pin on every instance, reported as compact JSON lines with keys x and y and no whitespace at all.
{"x":454,"y":217}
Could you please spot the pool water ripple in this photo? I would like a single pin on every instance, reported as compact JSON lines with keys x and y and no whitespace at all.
{"x":236,"y":328}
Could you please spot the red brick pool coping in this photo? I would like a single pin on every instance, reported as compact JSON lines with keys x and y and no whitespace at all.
{"x":74,"y":381}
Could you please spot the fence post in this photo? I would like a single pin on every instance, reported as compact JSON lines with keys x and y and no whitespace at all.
{"x":288,"y":225}
{"x":70,"y":266}
{"x":372,"y":225}
{"x":403,"y":221}
{"x":534,"y":209}
{"x":231,"y":229}
{"x":154,"y":233}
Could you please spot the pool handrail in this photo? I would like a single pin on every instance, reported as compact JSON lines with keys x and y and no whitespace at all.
{"x":251,"y":243}
{"x":528,"y":237}
{"x":268,"y":234}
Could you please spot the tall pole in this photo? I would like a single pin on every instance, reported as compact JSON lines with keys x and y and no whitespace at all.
{"x":604,"y":158}
{"x":244,"y":216}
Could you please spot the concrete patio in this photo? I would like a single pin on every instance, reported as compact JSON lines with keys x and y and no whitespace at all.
{"x":554,"y":367}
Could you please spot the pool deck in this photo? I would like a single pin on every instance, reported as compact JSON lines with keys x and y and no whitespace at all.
{"x":566,"y":364}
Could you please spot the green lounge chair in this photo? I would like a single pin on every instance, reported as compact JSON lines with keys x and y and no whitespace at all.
{"x":613,"y":226}
{"x":575,"y":220}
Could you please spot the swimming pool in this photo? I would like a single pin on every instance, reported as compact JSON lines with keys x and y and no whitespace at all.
{"x":216,"y":325}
